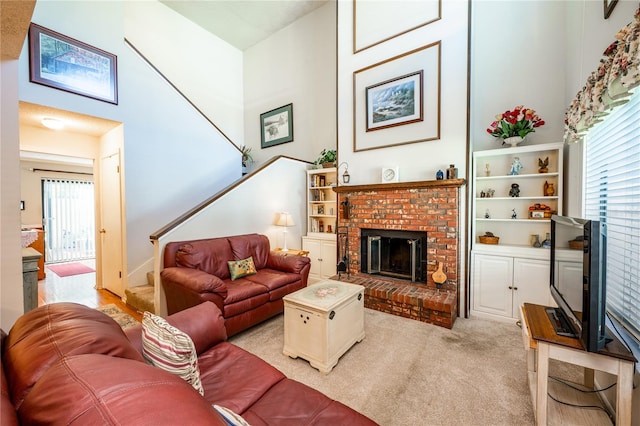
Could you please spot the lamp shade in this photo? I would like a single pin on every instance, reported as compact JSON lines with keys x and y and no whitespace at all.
{"x":285,"y":219}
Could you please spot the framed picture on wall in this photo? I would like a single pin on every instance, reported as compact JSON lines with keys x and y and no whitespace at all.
{"x":608,"y":7}
{"x":276,"y":126}
{"x":395,"y":102}
{"x":61,"y":62}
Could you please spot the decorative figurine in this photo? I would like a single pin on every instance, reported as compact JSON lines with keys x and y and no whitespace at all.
{"x":515,"y":190}
{"x":490,"y":192}
{"x":487,"y":172}
{"x":535,"y":241}
{"x":514,"y":215}
{"x":439,"y":175}
{"x":452,"y":172}
{"x":487,"y":215}
{"x":548,"y":189}
{"x":482,"y":194}
{"x":543,"y":166}
{"x":516,"y":166}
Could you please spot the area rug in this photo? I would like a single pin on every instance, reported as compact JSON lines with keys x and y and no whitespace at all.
{"x":69,"y":269}
{"x":121,"y":317}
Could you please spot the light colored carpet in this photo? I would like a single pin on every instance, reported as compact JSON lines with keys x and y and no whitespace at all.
{"x":410,"y":373}
{"x":121,"y":317}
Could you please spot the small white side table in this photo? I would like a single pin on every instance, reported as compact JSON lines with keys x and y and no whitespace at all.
{"x":322,"y":321}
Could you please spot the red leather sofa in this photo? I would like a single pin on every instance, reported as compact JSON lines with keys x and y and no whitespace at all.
{"x":197,"y":271}
{"x":66,"y":363}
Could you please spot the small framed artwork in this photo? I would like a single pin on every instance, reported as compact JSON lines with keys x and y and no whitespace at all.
{"x":395,"y":102}
{"x":61,"y":62}
{"x":276,"y":126}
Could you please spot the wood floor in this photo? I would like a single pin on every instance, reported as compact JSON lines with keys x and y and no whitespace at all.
{"x":79,"y":289}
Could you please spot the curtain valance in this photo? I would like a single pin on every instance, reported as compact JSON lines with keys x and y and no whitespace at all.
{"x":607,"y":86}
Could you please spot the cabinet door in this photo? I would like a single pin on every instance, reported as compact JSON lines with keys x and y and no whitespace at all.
{"x":328,"y":255}
{"x":492,"y":277}
{"x":313,"y":246}
{"x":530,"y":283}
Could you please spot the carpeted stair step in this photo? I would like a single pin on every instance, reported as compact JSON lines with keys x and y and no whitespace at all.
{"x":141,"y":298}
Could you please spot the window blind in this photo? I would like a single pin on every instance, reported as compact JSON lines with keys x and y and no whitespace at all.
{"x":68,"y":212}
{"x":612,"y":195}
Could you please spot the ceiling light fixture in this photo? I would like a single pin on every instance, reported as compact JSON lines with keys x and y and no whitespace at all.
{"x":52,"y":123}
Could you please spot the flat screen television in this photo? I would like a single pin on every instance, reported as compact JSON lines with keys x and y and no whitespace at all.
{"x":578,"y":284}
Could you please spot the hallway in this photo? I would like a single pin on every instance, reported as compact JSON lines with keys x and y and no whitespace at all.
{"x":79,"y":289}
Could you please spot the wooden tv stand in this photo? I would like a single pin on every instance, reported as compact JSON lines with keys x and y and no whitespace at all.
{"x":542,"y":343}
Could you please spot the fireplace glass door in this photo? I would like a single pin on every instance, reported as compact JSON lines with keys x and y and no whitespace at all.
{"x":394,"y":254}
{"x":373,"y":254}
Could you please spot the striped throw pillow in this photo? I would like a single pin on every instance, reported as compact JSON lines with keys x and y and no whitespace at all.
{"x":230,"y":417}
{"x":170,"y":349}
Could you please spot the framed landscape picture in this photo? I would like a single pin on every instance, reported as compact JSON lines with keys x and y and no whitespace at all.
{"x":395,"y":102}
{"x":61,"y":62}
{"x":276,"y":126}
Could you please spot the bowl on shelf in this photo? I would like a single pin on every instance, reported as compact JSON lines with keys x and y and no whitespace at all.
{"x":488,"y":239}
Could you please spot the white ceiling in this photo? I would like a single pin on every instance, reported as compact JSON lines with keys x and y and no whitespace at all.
{"x":243,"y":23}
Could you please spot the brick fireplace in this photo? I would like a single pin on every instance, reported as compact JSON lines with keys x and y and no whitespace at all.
{"x":430,"y":207}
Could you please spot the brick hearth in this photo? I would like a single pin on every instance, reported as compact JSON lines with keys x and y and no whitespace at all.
{"x":429,"y":206}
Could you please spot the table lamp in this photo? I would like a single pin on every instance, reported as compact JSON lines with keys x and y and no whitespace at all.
{"x":285,"y":220}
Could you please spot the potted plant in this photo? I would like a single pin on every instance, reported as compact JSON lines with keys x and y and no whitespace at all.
{"x":327,"y":158}
{"x":247,"y":158}
{"x":516,"y":124}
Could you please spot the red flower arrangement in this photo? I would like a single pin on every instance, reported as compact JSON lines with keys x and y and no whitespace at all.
{"x":519,"y":122}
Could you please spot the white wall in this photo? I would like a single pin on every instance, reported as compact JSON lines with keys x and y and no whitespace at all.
{"x":416,"y":161}
{"x":11,"y":295}
{"x":518,"y":58}
{"x":253,"y":205}
{"x":173,"y":157}
{"x":204,"y":67}
{"x":296,"y":65}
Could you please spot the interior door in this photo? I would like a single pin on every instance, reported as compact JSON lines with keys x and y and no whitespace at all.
{"x":111,"y":226}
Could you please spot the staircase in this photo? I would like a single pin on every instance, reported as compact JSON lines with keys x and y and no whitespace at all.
{"x":141,"y":297}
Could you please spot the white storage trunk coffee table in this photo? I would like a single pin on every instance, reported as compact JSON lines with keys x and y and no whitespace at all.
{"x":322,"y":321}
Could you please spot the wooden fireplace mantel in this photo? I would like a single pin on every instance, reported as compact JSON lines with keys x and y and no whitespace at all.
{"x":445,"y":183}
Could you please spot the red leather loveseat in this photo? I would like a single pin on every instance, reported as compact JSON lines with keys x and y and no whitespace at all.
{"x":66,"y":363}
{"x":198,"y":271}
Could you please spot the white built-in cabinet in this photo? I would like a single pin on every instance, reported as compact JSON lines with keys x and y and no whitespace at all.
{"x":512,"y":272}
{"x":322,"y":213}
{"x":501,"y":284}
{"x":322,"y":253}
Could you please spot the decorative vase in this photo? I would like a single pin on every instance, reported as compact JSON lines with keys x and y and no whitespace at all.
{"x":513,"y":140}
{"x":548,"y":188}
{"x":439,"y":277}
